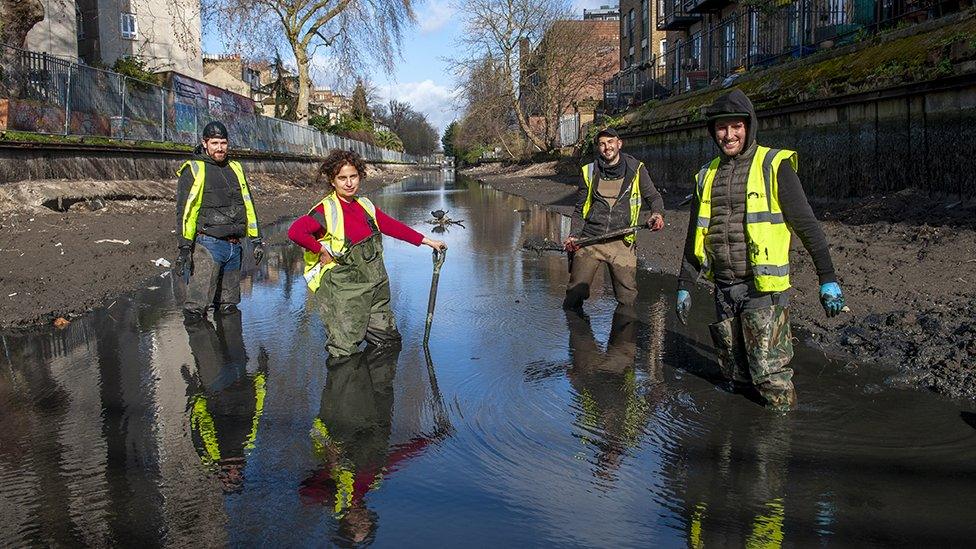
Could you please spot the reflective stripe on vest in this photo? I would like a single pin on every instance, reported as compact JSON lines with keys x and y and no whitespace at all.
{"x":194,"y":200}
{"x":202,"y":422}
{"x":334,"y":239}
{"x":260,"y":390}
{"x":589,"y":171}
{"x":767,"y":234}
{"x":342,"y":476}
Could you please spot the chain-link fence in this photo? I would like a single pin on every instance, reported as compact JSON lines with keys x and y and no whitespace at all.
{"x":44,"y":94}
{"x":750,"y":38}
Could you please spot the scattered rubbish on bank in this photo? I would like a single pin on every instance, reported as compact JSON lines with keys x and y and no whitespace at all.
{"x":11,"y":295}
{"x":61,"y":323}
{"x":162,"y":262}
{"x":153,"y":288}
{"x":114,"y":241}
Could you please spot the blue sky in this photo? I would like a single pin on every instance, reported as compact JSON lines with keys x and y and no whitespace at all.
{"x":422,"y":78}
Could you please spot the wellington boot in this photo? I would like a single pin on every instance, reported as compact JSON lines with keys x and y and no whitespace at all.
{"x":727,"y":337}
{"x":769,"y":348}
{"x":780,"y":399}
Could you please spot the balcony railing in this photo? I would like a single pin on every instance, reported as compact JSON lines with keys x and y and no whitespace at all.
{"x":750,"y":38}
{"x":674,"y":15}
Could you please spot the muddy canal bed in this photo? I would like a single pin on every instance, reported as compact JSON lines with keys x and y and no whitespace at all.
{"x":524,"y":426}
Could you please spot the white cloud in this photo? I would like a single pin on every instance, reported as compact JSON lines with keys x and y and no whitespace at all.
{"x":434,"y":100}
{"x":434,"y":15}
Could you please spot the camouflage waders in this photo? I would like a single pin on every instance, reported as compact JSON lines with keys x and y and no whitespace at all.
{"x":754,"y":342}
{"x":354,"y":298}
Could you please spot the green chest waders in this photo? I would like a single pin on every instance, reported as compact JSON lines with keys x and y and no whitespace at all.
{"x":355,"y":300}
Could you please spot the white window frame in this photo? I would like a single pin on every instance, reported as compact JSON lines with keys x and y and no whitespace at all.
{"x":663,"y":49}
{"x":128,"y":32}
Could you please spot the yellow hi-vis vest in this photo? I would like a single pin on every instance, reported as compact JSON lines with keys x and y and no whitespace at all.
{"x":195,"y":199}
{"x":767,"y":234}
{"x":202,"y":422}
{"x":334,"y":239}
{"x":635,"y":197}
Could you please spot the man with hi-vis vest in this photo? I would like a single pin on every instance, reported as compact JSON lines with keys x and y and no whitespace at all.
{"x":745,"y":203}
{"x":613,"y":190}
{"x":215,"y":213}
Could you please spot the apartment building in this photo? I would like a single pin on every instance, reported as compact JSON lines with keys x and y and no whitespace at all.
{"x":603,"y":13}
{"x":641,"y":36}
{"x":57,"y":34}
{"x":164,"y":33}
{"x":233,"y":72}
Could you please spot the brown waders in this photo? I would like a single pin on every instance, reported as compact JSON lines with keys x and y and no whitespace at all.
{"x":754,"y":342}
{"x":354,"y":298}
{"x":621,"y":260}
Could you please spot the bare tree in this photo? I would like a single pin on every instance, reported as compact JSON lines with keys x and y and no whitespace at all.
{"x":17,"y":17}
{"x":567,"y":68}
{"x":350,"y":30}
{"x":499,"y":30}
{"x":488,"y":111}
{"x":541,"y":62}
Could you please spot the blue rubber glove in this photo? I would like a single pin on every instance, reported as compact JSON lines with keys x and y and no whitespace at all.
{"x":831,"y":298}
{"x":683,"y":306}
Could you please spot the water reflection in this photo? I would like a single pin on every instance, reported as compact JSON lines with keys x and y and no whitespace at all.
{"x":351,"y":440}
{"x":224,"y":402}
{"x":611,"y":410}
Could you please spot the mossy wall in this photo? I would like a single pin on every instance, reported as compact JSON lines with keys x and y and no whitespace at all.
{"x":846,"y":151}
{"x":873,"y":117}
{"x":108,"y":165}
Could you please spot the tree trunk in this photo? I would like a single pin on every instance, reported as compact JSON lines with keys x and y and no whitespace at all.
{"x":17,"y":17}
{"x":525,"y":127}
{"x":301,"y":106}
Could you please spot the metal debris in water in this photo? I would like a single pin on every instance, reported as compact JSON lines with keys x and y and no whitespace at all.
{"x":441,"y":220}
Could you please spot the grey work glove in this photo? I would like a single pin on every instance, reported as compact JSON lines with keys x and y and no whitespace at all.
{"x":184,"y":262}
{"x":683,"y":305}
{"x":258,"y":251}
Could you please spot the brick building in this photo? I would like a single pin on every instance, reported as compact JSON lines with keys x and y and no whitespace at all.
{"x":641,"y":37}
{"x":565,"y":72}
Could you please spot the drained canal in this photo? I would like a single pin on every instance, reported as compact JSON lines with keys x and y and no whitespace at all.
{"x":524,"y":426}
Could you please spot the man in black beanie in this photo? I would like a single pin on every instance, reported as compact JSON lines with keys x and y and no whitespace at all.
{"x":215,"y":213}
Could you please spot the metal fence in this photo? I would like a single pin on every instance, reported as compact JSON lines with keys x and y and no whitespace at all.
{"x":44,"y":94}
{"x":751,"y":38}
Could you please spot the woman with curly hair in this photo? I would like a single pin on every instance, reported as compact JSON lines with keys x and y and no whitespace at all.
{"x":344,"y":258}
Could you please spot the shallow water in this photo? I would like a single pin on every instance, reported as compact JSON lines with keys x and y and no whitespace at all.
{"x":525,"y":426}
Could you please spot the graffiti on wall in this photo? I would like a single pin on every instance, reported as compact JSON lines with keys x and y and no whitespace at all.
{"x":194,"y":103}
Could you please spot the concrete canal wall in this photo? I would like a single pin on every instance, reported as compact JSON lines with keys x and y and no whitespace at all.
{"x":33,"y":161}
{"x":870,"y":143}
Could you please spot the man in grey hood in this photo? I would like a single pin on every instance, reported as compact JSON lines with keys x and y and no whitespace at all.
{"x":612,"y":192}
{"x":746,"y":202}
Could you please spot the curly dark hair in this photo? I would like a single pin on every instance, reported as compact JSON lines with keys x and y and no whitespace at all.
{"x":334,"y":162}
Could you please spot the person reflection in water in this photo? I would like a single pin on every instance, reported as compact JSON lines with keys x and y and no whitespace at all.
{"x":351,"y":437}
{"x":223,"y":401}
{"x":605,"y":381}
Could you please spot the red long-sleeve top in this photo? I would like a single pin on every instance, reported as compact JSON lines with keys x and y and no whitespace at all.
{"x":306,"y":231}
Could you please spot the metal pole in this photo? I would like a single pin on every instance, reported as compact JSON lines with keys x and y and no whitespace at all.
{"x":162,"y":114}
{"x":67,"y":102}
{"x":439,"y":257}
{"x":122,"y":117}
